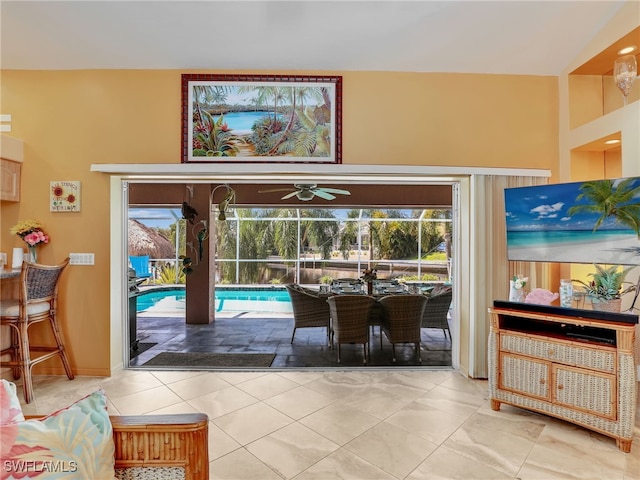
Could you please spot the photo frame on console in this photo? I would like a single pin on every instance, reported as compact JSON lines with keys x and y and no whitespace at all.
{"x":261,"y":118}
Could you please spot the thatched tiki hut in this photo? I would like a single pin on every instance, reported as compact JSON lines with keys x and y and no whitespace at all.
{"x":147,"y":241}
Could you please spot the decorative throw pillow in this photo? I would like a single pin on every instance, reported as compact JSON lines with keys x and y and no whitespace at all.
{"x":10,"y":409}
{"x":73,"y":443}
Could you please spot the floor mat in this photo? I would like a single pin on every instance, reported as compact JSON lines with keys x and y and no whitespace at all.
{"x":198,"y":359}
{"x":142,"y":347}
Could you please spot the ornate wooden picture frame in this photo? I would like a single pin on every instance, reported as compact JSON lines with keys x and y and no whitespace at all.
{"x":261,"y":118}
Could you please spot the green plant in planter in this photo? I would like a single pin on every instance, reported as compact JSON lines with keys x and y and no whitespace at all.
{"x":607,"y":283}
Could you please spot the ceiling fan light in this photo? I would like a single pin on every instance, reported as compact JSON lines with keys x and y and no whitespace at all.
{"x":305,"y":195}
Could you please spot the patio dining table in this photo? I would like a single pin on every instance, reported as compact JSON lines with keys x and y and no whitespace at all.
{"x":376,"y":311}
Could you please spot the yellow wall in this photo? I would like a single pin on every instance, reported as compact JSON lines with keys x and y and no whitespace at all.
{"x":71,"y":119}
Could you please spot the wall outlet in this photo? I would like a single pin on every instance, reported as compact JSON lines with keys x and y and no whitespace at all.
{"x":81,"y":259}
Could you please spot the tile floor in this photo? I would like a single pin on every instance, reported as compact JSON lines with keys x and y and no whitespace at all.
{"x":257,"y":333}
{"x":379,"y":423}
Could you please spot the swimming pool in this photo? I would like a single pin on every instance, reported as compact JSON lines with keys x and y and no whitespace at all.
{"x":227,"y":299}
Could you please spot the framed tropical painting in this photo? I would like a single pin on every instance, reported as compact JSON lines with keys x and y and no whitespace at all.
{"x":261,"y":118}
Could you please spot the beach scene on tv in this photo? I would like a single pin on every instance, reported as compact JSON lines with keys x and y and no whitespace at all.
{"x":581,"y":222}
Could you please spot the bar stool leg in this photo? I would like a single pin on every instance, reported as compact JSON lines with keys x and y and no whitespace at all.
{"x":15,"y":352}
{"x":63,"y":353}
{"x":25,"y":361}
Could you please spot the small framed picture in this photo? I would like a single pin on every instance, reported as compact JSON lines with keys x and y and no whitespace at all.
{"x":64,"y":196}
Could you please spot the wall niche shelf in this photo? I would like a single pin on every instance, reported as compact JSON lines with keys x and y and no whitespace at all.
{"x":592,"y":91}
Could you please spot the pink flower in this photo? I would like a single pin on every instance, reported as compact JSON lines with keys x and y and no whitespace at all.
{"x":35,"y":237}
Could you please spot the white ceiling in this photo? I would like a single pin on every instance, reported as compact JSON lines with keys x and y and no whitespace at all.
{"x":503,"y":37}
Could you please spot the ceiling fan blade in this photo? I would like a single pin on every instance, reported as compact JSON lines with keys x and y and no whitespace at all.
{"x":322,"y":193}
{"x":276,"y":190}
{"x":334,"y":190}
{"x":289,"y":195}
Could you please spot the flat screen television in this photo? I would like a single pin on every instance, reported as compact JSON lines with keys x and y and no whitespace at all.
{"x":580,"y":222}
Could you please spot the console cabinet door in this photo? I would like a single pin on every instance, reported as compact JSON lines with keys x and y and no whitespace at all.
{"x":525,"y":375}
{"x":585,"y":390}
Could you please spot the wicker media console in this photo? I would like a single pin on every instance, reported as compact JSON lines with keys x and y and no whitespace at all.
{"x":572,"y":364}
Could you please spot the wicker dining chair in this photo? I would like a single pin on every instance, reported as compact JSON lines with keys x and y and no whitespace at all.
{"x":37,"y":302}
{"x":350,"y":320}
{"x":437,"y":310}
{"x":401,"y":320}
{"x":309,"y":309}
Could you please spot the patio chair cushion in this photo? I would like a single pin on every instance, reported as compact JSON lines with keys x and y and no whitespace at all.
{"x":74,"y":442}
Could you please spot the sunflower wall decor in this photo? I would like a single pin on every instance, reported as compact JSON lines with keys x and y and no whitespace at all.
{"x":64,"y":196}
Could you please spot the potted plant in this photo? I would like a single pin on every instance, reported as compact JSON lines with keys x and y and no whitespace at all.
{"x":606,"y":288}
{"x":326,"y":280}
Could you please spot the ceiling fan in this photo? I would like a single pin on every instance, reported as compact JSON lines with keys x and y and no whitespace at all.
{"x":306,"y":191}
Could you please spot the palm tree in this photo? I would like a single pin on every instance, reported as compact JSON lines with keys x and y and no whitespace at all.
{"x":226,"y":249}
{"x":433,"y":233}
{"x":319,"y":234}
{"x":286,"y":235}
{"x":349,"y":233}
{"x":610,"y":200}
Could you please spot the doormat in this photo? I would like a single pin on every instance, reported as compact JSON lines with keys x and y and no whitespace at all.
{"x":142,"y":347}
{"x":198,"y":359}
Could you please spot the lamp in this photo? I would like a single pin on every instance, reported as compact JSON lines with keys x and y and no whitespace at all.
{"x":625,"y":71}
{"x":224,"y":204}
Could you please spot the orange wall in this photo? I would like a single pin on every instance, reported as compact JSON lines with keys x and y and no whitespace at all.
{"x":71,"y":119}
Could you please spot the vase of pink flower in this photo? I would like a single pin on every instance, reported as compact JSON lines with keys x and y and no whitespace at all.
{"x":32,"y":233}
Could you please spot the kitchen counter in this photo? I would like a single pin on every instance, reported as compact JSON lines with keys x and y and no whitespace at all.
{"x":9,"y":273}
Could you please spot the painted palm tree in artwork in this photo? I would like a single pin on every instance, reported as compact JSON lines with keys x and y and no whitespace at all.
{"x":204,"y":96}
{"x":305,"y":132}
{"x":611,"y":199}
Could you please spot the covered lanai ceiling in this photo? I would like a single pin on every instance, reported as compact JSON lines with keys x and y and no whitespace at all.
{"x":387,"y":196}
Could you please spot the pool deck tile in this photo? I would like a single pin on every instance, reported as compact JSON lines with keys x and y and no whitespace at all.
{"x":258,"y":333}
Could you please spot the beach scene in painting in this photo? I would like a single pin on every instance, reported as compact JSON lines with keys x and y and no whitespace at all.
{"x":580,"y":222}
{"x":261,"y":121}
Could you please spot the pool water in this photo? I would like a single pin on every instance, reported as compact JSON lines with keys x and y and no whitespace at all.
{"x":162,"y":299}
{"x":248,"y":299}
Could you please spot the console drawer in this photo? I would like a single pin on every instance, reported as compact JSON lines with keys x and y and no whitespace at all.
{"x":596,"y":358}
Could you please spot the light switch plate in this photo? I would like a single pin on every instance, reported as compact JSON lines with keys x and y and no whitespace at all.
{"x":81,"y":259}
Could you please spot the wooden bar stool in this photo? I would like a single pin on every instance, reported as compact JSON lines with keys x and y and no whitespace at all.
{"x":37,"y":302}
